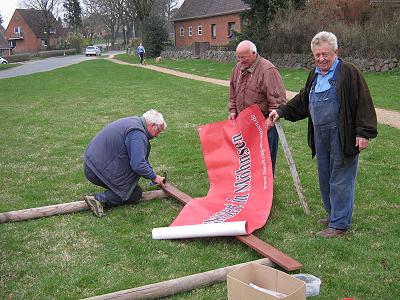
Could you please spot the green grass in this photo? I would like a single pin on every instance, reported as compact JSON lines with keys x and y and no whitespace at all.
{"x":8,"y":66}
{"x":206,"y":68}
{"x":384,"y":87}
{"x":45,"y":128}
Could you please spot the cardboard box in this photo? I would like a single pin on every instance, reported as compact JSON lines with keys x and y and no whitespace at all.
{"x":264,"y":277}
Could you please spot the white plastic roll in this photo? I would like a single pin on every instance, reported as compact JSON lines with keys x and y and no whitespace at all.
{"x":200,"y":230}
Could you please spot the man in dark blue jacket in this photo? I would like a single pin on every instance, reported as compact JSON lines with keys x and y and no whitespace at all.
{"x":117,"y":157}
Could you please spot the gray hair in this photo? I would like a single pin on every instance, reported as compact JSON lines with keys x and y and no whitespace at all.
{"x":252,"y":47}
{"x":154,"y":117}
{"x":324,"y":37}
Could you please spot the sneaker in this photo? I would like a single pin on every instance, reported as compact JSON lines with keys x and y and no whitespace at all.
{"x":95,"y":206}
{"x":330,"y":232}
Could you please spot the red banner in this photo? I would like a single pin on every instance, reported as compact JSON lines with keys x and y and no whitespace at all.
{"x":239,"y":166}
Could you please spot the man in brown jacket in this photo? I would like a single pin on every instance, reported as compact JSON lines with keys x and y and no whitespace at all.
{"x":255,"y":80}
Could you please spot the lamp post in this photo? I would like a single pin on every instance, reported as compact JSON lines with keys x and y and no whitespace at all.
{"x":126,"y":35}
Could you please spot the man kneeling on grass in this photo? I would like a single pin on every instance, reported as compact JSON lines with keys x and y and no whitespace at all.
{"x":118,"y":156}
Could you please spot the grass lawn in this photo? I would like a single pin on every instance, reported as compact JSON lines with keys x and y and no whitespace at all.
{"x":8,"y":66}
{"x":49,"y":118}
{"x":385,"y":87}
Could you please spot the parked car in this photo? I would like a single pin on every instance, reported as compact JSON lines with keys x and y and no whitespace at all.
{"x":92,"y":50}
{"x":3,"y":60}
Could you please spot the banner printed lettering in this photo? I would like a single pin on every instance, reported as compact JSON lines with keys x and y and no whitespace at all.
{"x":251,"y":180}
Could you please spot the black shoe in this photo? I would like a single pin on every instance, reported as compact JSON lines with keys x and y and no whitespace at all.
{"x":95,"y":206}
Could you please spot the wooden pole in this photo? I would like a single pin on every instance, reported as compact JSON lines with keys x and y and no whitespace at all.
{"x":64,"y":208}
{"x":173,"y":286}
{"x":275,"y":255}
{"x":292,"y":167}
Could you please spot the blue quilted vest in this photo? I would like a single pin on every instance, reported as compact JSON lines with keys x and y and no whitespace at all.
{"x":107,"y":156}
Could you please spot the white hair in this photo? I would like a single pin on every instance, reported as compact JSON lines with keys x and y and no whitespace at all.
{"x":154,"y":117}
{"x":252,"y":47}
{"x":324,"y":37}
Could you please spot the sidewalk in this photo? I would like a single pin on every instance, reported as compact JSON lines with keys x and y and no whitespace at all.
{"x":387,"y":117}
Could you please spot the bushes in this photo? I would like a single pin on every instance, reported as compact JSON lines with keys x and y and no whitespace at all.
{"x":378,"y":35}
{"x":42,"y":54}
{"x":18,"y":57}
{"x":52,"y":53}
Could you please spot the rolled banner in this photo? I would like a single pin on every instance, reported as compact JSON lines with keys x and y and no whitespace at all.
{"x":200,"y":230}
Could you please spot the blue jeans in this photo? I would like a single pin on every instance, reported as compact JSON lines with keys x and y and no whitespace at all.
{"x":108,"y":198}
{"x":337,"y":179}
{"x":273,"y":141}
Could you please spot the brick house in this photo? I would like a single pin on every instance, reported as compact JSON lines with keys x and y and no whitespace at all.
{"x":5,"y":49}
{"x":27,"y":31}
{"x":207,"y":21}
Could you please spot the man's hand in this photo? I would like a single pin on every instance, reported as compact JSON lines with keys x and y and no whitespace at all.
{"x":361,"y":143}
{"x":272,"y":118}
{"x":160,"y":180}
{"x":232,"y":116}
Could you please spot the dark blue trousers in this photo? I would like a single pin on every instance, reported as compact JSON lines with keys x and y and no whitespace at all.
{"x":273,"y":141}
{"x":108,"y":198}
{"x":337,"y":178}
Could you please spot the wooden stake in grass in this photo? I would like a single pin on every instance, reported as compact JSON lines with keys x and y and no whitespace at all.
{"x":64,"y":208}
{"x":292,"y":167}
{"x":173,"y":286}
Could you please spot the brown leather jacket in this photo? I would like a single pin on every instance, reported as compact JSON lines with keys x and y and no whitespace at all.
{"x":260,"y":84}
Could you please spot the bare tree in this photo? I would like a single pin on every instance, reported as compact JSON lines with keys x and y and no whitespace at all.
{"x":52,"y":6}
{"x":109,"y":11}
{"x":170,"y":8}
{"x":90,"y":25}
{"x":128,"y":18}
{"x":165,"y":10}
{"x":143,"y":8}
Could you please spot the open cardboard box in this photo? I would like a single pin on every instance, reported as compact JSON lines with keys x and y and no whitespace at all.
{"x":264,"y":277}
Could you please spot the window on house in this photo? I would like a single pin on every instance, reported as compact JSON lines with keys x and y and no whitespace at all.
{"x":13,"y":43}
{"x":231,"y":30}
{"x":213,"y":31}
{"x":190,"y":30}
{"x":18,"y":30}
{"x":199,"y":30}
{"x":44,"y":42}
{"x":181,"y":31}
{"x":51,"y":30}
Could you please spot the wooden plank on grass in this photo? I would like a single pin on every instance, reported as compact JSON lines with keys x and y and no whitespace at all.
{"x":278,"y":257}
{"x":64,"y":208}
{"x":266,"y":250}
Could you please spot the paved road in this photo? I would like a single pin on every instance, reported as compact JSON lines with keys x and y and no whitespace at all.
{"x":43,"y":65}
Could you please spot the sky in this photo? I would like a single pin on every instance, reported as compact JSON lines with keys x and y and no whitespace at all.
{"x":7,"y":8}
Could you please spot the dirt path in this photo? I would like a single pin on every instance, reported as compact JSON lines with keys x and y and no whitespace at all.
{"x":387,"y":117}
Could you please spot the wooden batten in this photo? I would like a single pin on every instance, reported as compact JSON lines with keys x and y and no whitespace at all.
{"x":178,"y":285}
{"x":64,"y":208}
{"x":275,"y":255}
